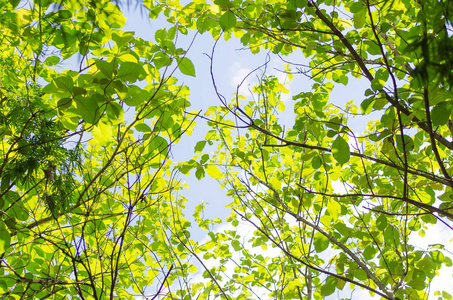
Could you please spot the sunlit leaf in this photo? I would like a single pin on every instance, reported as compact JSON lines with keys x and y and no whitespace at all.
{"x":321,"y":242}
{"x":441,"y":113}
{"x":340,"y":150}
{"x":5,"y":240}
{"x":186,"y":67}
{"x":228,"y":20}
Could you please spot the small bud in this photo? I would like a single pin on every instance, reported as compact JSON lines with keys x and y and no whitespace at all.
{"x":48,"y":173}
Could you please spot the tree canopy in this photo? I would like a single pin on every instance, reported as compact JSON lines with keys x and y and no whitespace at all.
{"x":92,"y":202}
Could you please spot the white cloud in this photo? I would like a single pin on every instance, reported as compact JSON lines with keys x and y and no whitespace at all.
{"x":237,"y":74}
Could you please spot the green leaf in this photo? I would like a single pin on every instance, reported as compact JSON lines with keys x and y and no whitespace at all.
{"x":131,"y":71}
{"x":52,"y":61}
{"x":334,"y":123}
{"x":171,"y":33}
{"x":381,"y":222}
{"x":204,"y":158}
{"x":228,"y":20}
{"x":369,"y":92}
{"x":222,"y":2}
{"x":380,"y":103}
{"x":64,"y":103}
{"x":340,"y":150}
{"x":214,"y":172}
{"x":122,"y":39}
{"x":203,"y":24}
{"x":136,"y":96}
{"x":359,"y":19}
{"x":438,"y":256}
{"x":160,"y":35}
{"x":369,"y":252}
{"x":70,"y":122}
{"x":79,"y":91}
{"x":14,"y":3}
{"x":200,"y":146}
{"x":391,"y":236}
{"x":155,"y":11}
{"x":385,"y":27}
{"x":340,"y":284}
{"x":358,"y":273}
{"x":65,"y":83}
{"x":88,"y":108}
{"x":5,"y":240}
{"x":161,"y":60}
{"x":102,"y":133}
{"x":441,"y":113}
{"x":199,"y":173}
{"x":418,"y":280}
{"x":321,"y":242}
{"x":18,"y":210}
{"x":11,"y":78}
{"x":105,"y":67}
{"x":186,"y":167}
{"x":316,"y":162}
{"x":186,"y":67}
{"x":356,"y":7}
{"x":236,"y":245}
{"x":120,"y":89}
{"x":377,"y":84}
{"x":114,"y":112}
{"x":408,"y":143}
{"x":63,"y":14}
{"x":142,"y":127}
{"x":158,"y":144}
{"x":447,"y":261}
{"x":329,"y":287}
{"x":373,"y":49}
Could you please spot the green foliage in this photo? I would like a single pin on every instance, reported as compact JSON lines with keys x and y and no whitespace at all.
{"x":337,"y":204}
{"x":80,"y":188}
{"x":90,"y":202}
